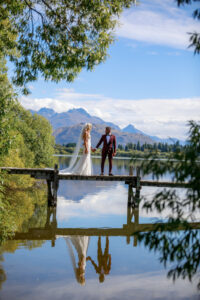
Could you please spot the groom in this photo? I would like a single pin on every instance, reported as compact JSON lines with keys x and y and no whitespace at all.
{"x":109,"y":149}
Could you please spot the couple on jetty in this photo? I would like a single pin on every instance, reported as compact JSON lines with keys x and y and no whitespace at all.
{"x":83,"y":166}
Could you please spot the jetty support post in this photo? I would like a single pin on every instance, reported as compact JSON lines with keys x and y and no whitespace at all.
{"x":134,"y":198}
{"x":136,"y":222}
{"x":132,"y":211}
{"x":138,"y":186}
{"x":54,"y":226}
{"x":129,"y":218}
{"x":51,"y":223}
{"x":55,"y":186}
{"x":49,"y":193}
{"x":130,"y":187}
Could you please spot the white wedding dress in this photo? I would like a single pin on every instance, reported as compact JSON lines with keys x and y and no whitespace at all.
{"x":82,"y":166}
{"x":80,"y":243}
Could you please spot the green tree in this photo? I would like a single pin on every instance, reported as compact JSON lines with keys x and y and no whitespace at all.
{"x":178,"y":251}
{"x":138,"y":146}
{"x":70,"y":145}
{"x":7,"y":100}
{"x":194,"y":36}
{"x":37,"y":135}
{"x":57,"y":38}
{"x":26,"y":141}
{"x":120,"y":147}
{"x":184,"y":165}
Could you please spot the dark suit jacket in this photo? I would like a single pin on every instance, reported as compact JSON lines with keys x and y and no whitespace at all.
{"x":111,"y":146}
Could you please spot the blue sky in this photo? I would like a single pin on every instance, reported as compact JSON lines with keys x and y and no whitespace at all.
{"x":151,"y":78}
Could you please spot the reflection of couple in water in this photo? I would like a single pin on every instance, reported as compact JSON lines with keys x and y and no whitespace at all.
{"x":81,"y":243}
{"x":104,"y":260}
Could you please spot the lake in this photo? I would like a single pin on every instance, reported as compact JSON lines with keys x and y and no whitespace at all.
{"x":85,"y":248}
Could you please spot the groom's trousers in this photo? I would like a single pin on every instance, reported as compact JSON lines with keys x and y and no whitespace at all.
{"x":103,"y":158}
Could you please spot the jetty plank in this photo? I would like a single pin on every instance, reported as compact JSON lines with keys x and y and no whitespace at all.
{"x":164,"y":184}
{"x":49,"y":173}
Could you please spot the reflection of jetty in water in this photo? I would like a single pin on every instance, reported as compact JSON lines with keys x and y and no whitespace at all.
{"x":172,"y":243}
{"x":131,"y":228}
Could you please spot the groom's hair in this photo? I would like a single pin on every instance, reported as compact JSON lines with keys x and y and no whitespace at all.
{"x":108,"y":128}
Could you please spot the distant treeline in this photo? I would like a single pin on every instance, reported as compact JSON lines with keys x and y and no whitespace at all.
{"x":163,"y":147}
{"x":130,"y":149}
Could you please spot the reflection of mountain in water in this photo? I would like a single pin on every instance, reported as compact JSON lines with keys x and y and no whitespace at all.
{"x":77,"y":190}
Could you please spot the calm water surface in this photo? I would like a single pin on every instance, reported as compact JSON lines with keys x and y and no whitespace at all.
{"x":84,"y":249}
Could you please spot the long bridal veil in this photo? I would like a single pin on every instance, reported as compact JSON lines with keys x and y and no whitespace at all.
{"x":83,"y":166}
{"x":74,"y":157}
{"x":80,"y":244}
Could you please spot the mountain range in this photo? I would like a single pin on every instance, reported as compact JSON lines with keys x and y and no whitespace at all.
{"x":131,"y":129}
{"x":71,"y":117}
{"x":67,"y":125}
{"x":70,"y":134}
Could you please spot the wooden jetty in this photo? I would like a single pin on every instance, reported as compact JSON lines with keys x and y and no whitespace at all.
{"x":52,"y":176}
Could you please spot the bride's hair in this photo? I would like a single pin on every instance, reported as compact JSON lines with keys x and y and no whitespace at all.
{"x":86,"y":127}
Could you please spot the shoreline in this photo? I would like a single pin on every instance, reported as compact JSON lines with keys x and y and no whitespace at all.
{"x":119,"y":157}
{"x":93,"y":156}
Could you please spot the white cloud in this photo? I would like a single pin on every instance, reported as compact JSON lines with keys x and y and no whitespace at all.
{"x":174,"y":53}
{"x":145,"y":285}
{"x":38,"y":103}
{"x":161,"y":117}
{"x":158,"y":22}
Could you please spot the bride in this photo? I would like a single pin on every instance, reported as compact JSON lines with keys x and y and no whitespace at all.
{"x":83,"y":166}
{"x":80,"y":244}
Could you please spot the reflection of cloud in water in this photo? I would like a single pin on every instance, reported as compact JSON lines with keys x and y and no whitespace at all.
{"x":111,"y":200}
{"x":150,"y":285}
{"x":108,"y":201}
